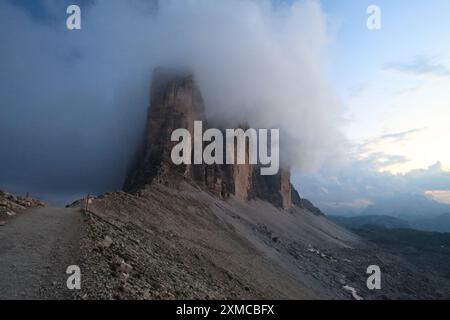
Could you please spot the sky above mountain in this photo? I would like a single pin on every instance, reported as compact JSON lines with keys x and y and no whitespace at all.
{"x":394,"y":84}
{"x":366,"y":111}
{"x":395,"y":81}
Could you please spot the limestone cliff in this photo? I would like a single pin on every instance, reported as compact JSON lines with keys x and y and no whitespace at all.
{"x":176,"y":102}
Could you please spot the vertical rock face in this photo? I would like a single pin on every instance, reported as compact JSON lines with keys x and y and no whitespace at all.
{"x":242,"y":173}
{"x":176,"y":102}
{"x":286,"y":189}
{"x":242,"y":178}
{"x":275,"y":189}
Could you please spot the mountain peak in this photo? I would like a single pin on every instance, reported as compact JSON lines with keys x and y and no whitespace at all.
{"x":176,"y":103}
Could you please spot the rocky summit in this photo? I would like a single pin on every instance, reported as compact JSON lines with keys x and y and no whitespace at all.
{"x":176,"y":102}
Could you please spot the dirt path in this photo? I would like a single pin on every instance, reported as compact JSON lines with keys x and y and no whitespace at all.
{"x":36,"y":247}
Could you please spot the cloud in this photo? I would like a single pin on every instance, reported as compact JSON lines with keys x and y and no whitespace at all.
{"x":381,"y":160}
{"x":74,"y":102}
{"x":442,"y":196}
{"x":420,"y":65}
{"x":401,"y":136}
{"x":393,"y":137}
{"x":353,"y":185}
{"x":378,"y":151}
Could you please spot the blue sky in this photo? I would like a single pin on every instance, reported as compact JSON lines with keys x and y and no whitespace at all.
{"x":394,"y":84}
{"x":405,"y":54}
{"x":409,"y":28}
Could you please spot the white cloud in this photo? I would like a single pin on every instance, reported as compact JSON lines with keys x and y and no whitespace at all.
{"x":355,"y":184}
{"x":442,"y":196}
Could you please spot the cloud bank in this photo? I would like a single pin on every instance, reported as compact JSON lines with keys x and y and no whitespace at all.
{"x":73,"y":103}
{"x":349,"y":188}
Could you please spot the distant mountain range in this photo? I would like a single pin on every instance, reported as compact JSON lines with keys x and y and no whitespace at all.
{"x":440,"y":223}
{"x":407,"y":207}
{"x":361,"y":222}
{"x":400,"y":211}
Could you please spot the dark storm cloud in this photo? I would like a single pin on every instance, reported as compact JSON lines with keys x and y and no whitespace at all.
{"x":69,"y":122}
{"x":73,"y":103}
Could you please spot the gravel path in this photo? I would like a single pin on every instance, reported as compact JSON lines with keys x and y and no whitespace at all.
{"x":36,"y":247}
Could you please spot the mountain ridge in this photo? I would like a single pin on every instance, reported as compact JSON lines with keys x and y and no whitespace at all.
{"x":176,"y":102}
